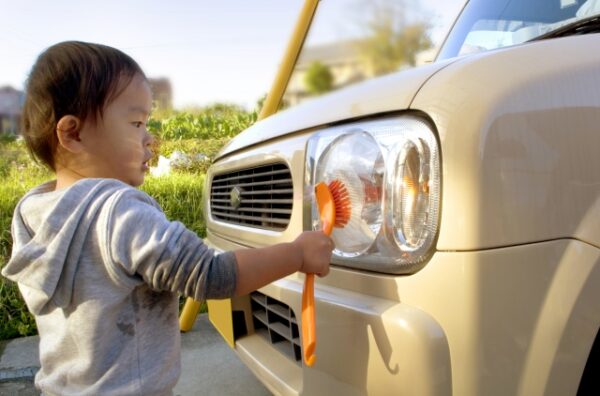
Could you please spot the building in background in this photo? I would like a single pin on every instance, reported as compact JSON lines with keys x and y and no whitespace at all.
{"x":162,"y":93}
{"x":11,"y":105}
{"x":343,"y":60}
{"x":346,"y":64}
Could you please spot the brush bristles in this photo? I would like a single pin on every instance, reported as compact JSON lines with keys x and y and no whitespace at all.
{"x":341,"y":199}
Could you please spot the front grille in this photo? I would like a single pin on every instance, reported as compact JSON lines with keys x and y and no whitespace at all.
{"x":277,"y":323}
{"x":260,"y":197}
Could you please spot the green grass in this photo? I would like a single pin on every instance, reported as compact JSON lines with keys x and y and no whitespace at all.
{"x":18,"y":174}
{"x":180,"y":197}
{"x":179,"y":194}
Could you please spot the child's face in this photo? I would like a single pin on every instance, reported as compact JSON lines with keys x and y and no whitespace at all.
{"x":118,"y":144}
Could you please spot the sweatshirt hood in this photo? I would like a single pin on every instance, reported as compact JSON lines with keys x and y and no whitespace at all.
{"x":49,"y":229}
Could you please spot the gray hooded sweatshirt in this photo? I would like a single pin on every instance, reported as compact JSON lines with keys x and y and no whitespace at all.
{"x":100,"y":267}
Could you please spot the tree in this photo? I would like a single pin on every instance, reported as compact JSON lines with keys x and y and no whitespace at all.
{"x":318,"y":78}
{"x":392,"y":38}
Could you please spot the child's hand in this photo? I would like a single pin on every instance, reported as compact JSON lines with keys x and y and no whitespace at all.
{"x":315,"y":248}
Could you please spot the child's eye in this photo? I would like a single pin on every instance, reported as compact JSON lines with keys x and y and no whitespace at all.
{"x":137,"y":124}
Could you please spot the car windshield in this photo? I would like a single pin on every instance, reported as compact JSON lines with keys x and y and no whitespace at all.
{"x":350,"y":41}
{"x":489,"y":24}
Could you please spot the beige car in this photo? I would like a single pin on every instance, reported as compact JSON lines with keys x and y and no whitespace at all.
{"x":471,"y":261}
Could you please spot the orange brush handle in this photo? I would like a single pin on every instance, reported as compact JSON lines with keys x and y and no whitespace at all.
{"x":309,"y":335}
{"x":326,"y":205}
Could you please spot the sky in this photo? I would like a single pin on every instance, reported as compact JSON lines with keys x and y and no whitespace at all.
{"x":210,"y":50}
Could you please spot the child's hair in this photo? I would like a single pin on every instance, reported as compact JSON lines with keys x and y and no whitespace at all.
{"x":71,"y":78}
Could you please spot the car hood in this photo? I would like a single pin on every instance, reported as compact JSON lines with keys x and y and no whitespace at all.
{"x":392,"y":92}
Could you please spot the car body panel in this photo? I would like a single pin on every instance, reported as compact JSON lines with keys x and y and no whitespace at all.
{"x":519,"y":127}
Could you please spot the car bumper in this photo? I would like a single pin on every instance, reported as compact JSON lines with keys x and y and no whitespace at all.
{"x":477,"y":322}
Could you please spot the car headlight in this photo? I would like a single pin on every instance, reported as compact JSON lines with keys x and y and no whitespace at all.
{"x":391,"y":171}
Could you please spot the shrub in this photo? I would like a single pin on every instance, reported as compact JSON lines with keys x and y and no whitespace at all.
{"x":192,"y":148}
{"x":216,"y":122}
{"x":7,"y":137}
{"x":318,"y":78}
{"x":15,"y":319}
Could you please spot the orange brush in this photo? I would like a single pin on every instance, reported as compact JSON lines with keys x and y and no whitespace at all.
{"x":334,"y":209}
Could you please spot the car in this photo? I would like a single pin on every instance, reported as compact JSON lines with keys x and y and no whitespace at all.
{"x":471,"y":262}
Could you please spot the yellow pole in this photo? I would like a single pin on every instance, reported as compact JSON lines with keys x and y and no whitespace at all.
{"x":289,"y":59}
{"x":191,"y":307}
{"x":188,"y":314}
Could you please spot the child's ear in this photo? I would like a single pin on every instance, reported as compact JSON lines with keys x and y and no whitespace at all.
{"x":67,"y":132}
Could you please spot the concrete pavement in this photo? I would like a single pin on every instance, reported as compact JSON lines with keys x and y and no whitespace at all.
{"x":209,"y":366}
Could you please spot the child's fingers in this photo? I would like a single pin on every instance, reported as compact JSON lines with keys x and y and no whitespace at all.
{"x":316,"y":251}
{"x":326,"y":257}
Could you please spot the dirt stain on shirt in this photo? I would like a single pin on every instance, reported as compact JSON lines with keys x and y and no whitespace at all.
{"x":126,"y":328}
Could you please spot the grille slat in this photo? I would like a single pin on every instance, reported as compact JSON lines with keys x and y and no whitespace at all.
{"x":253,"y":184}
{"x":255,"y":175}
{"x":259,"y":197}
{"x":251,"y":218}
{"x":260,"y":201}
{"x":284,"y":211}
{"x":282,"y":191}
{"x":277,"y":323}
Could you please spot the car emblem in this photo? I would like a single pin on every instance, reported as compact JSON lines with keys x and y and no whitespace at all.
{"x":235,"y":197}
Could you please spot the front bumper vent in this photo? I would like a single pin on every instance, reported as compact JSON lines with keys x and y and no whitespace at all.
{"x":259,"y":197}
{"x":276,"y":322}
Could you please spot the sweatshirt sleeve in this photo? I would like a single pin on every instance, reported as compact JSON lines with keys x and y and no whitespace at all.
{"x":142,"y":242}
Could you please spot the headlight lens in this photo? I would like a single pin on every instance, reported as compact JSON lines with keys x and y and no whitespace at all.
{"x":355,"y":159}
{"x":411,"y":201}
{"x":391,"y":171}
